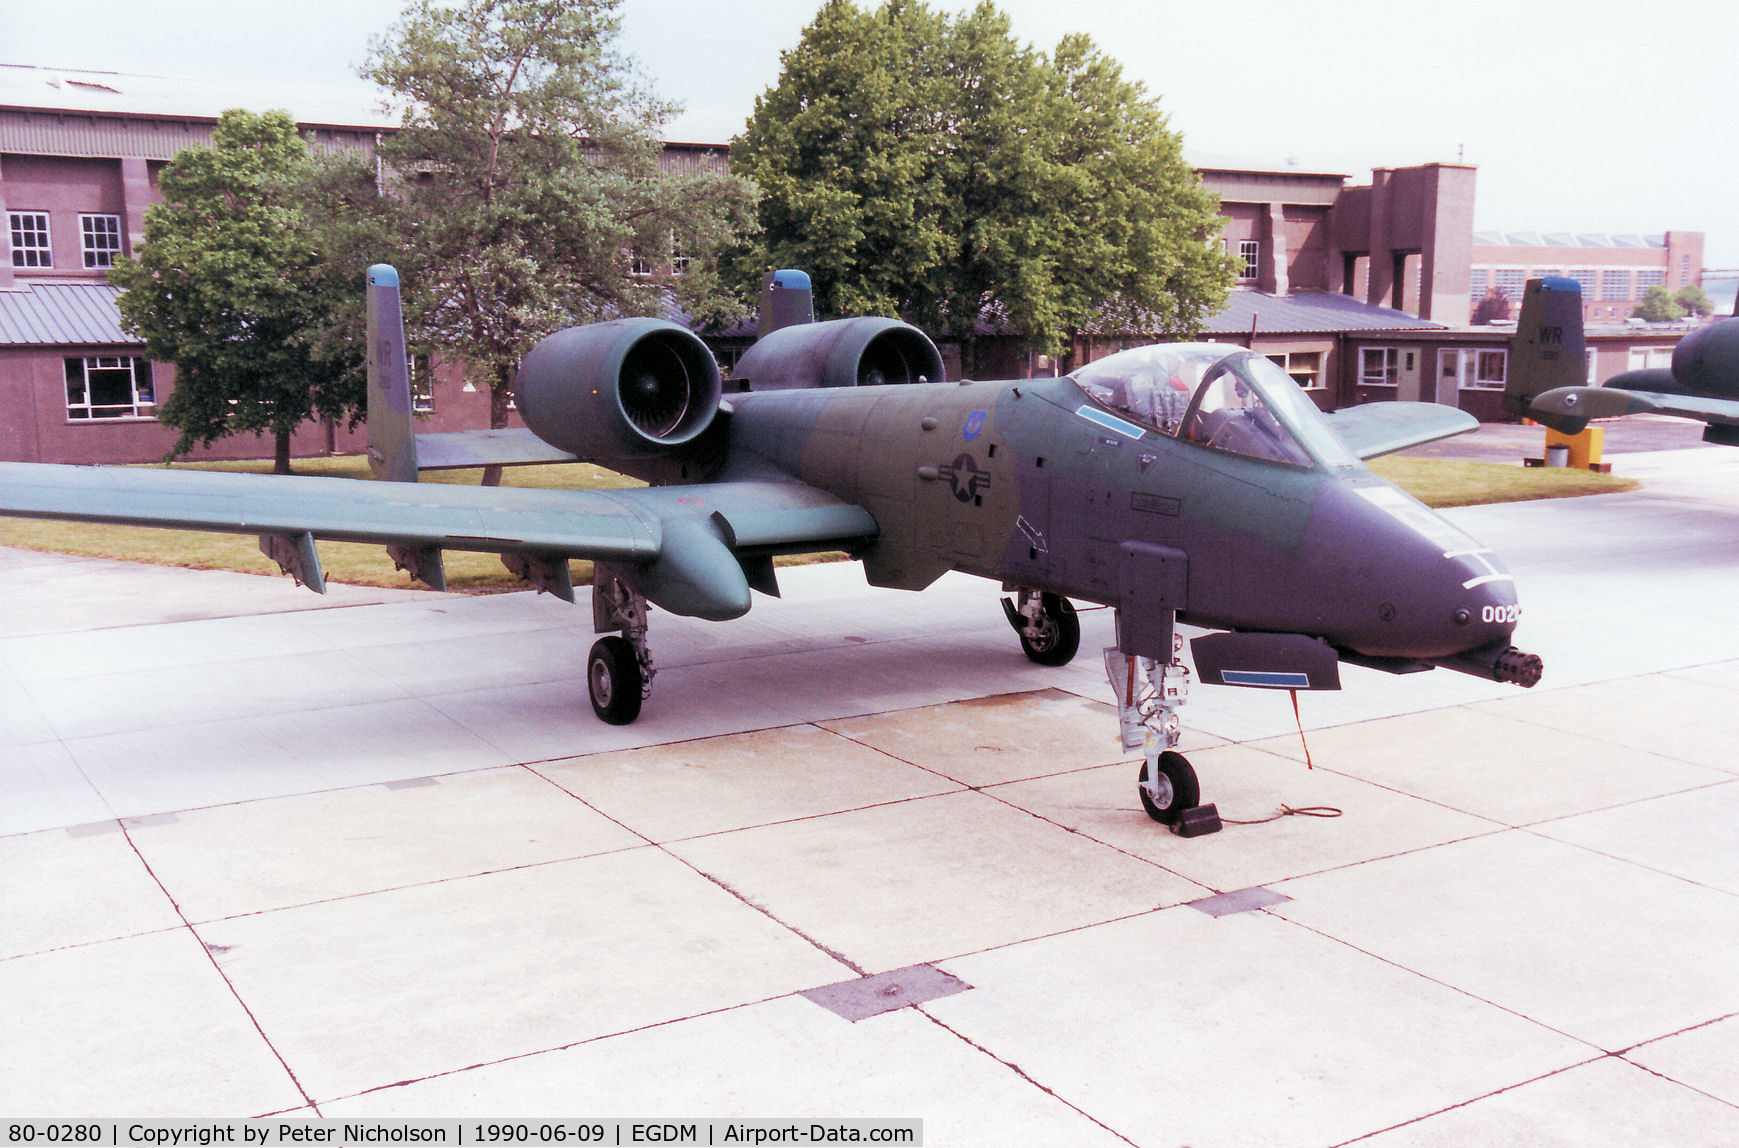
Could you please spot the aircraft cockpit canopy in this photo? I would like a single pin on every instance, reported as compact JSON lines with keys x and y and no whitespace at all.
{"x":1221,"y":397}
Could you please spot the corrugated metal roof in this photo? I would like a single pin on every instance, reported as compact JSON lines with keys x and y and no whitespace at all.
{"x":1308,"y":312}
{"x":77,"y":314}
{"x":1563,"y":239}
{"x":75,"y":90}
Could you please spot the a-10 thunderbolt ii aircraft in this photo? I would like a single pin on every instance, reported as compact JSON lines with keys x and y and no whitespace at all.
{"x":1188,"y":482}
{"x":1549,"y":372}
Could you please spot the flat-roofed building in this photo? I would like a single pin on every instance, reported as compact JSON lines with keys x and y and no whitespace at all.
{"x":1615,"y":271}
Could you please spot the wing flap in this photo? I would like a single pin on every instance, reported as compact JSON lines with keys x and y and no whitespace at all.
{"x":1383,"y":428}
{"x":457,"y":450}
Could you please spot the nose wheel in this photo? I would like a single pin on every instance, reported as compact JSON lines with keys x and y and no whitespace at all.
{"x":1149,"y":693}
{"x":1168,"y":787}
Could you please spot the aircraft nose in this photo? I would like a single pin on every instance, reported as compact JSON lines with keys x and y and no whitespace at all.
{"x":1433,"y":593}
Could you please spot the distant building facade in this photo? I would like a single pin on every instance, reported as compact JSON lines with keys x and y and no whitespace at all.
{"x":1615,"y":271}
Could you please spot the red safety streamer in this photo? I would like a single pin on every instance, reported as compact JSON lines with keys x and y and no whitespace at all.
{"x":1308,"y":764}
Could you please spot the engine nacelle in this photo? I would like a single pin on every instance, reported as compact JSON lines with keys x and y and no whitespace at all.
{"x":840,"y":353}
{"x":1706,"y":361}
{"x":629,"y":388}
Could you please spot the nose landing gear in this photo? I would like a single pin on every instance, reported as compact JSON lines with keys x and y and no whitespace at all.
{"x":1148,"y":697}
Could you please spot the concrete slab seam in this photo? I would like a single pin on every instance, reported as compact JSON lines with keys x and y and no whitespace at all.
{"x":211,"y":957}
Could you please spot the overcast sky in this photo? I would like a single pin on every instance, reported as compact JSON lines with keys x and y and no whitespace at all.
{"x":1587,"y":116}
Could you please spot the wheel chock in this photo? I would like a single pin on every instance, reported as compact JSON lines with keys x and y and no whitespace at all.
{"x":1197,"y":821}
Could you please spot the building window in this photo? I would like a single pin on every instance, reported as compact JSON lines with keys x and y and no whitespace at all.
{"x":1546,"y":273}
{"x":1615,"y":285}
{"x":1488,"y":370}
{"x":678,"y":259}
{"x":1584,"y":277}
{"x":109,"y":387}
{"x":422,"y":385}
{"x":30,"y":245}
{"x":1476,"y":280}
{"x":1250,"y":254}
{"x":638,"y":264}
{"x":101,"y":236}
{"x":1510,"y":281}
{"x":1647,"y":279}
{"x":1379,"y":367}
{"x":1684,"y":271}
{"x":1650,"y":358}
{"x":1305,"y":367}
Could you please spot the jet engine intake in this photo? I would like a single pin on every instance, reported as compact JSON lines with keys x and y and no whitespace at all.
{"x":629,"y":388}
{"x":840,"y":353}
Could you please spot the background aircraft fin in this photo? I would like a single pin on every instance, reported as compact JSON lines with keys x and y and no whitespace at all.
{"x":1547,"y":351}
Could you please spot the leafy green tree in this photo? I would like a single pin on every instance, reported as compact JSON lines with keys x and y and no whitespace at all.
{"x":231,"y":287}
{"x":1657,"y":306}
{"x":844,"y":150}
{"x":527,"y":170}
{"x":1694,"y":300}
{"x":933,"y":167}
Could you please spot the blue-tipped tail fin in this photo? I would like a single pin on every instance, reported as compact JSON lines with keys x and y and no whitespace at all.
{"x":392,"y":440}
{"x":1547,"y":351}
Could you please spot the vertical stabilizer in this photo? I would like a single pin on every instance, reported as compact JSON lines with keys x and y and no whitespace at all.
{"x":786,"y":300}
{"x":1547,"y":350}
{"x":392,"y":440}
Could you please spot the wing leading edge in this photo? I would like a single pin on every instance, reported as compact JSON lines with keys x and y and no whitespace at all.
{"x":693,"y":550}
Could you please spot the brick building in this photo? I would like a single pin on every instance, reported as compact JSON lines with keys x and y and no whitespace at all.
{"x":1615,"y":271}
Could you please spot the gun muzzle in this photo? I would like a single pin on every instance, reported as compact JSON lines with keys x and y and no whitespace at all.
{"x":1497,"y":662}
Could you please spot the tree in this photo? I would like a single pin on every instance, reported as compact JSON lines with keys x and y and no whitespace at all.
{"x":527,"y":171}
{"x":1694,"y":300}
{"x":1657,"y":306}
{"x":1494,"y":308}
{"x":933,"y":167}
{"x":231,"y":287}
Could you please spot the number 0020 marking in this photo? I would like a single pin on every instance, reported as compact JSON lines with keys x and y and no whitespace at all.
{"x":1510,"y":614}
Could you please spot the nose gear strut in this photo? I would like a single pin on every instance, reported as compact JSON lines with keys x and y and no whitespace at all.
{"x":1149,"y":695}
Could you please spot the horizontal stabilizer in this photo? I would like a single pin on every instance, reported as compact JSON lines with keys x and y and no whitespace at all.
{"x":1383,"y":428}
{"x":459,"y":450}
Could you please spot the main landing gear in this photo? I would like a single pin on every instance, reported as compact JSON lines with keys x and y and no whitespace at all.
{"x":1049,"y":630}
{"x":619,"y":669}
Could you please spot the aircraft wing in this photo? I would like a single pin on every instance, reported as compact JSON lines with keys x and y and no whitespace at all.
{"x":1382,"y":428}
{"x":691,"y":549}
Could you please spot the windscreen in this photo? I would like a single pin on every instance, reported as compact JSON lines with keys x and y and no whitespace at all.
{"x":1248,"y":405}
{"x":1151,"y":385}
{"x":1218,"y":396}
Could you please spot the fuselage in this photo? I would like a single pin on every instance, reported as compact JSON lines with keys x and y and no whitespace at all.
{"x":1033,"y":483}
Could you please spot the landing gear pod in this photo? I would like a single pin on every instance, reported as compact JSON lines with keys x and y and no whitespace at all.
{"x":840,"y":353}
{"x":629,"y":388}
